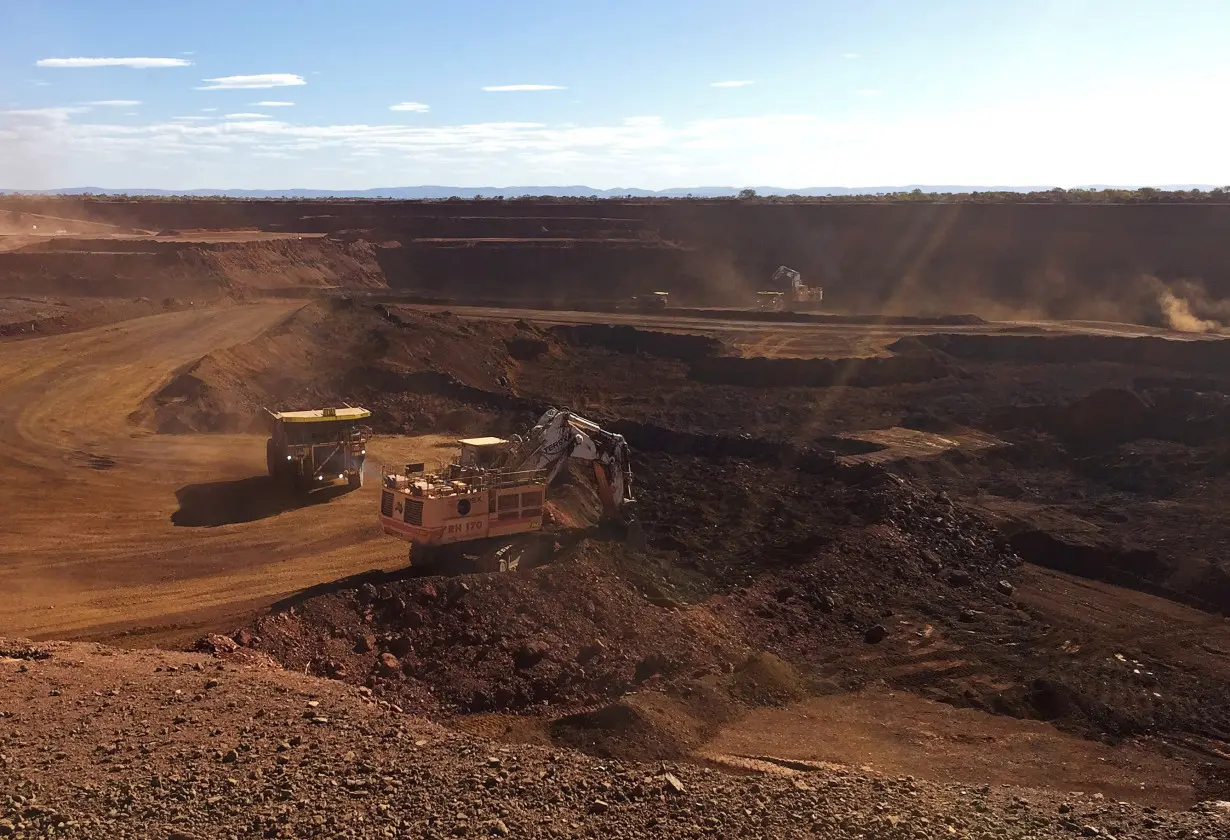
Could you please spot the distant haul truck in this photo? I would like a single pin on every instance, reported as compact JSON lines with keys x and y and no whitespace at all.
{"x":311,"y":449}
{"x":651,"y":302}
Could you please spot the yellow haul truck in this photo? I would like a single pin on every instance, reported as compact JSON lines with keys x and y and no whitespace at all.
{"x":311,"y":449}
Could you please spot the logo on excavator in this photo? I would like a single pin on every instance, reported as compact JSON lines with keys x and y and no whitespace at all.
{"x":562,"y":444}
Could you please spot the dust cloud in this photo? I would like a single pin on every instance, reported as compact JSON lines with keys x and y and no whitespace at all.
{"x":1187,"y":306}
{"x":1178,"y":314}
{"x":1182,"y":305}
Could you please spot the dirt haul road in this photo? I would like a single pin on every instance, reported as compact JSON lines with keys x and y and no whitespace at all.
{"x":88,"y":545}
{"x":800,"y":339}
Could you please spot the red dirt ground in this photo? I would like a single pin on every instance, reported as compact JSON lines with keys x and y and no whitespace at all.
{"x":834,"y":511}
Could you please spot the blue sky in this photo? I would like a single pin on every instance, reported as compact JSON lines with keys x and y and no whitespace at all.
{"x":834,"y":92}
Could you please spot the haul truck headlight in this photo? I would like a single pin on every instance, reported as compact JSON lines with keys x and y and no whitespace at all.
{"x":362,"y":451}
{"x":340,"y":475}
{"x":289,"y":458}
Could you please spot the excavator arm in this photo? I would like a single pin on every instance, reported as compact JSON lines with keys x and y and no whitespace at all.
{"x":559,"y":436}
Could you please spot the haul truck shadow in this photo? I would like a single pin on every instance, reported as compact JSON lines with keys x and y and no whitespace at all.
{"x":243,"y":500}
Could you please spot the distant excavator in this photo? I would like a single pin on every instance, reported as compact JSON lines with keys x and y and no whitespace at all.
{"x":797,"y":298}
{"x":495,"y":488}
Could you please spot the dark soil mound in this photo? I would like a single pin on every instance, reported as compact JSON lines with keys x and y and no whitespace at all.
{"x":1109,"y":415}
{"x":640,"y":727}
{"x":817,"y":373}
{"x":622,"y":339}
{"x":765,"y":680}
{"x":796,"y":558}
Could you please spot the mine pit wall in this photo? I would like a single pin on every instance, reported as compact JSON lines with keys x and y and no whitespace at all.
{"x":100,"y":274}
{"x":523,"y":227}
{"x":523,"y":271}
{"x":1211,"y":356}
{"x":148,"y":268}
{"x":1043,"y":260}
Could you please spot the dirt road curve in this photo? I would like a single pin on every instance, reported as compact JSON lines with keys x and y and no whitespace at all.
{"x":88,"y":544}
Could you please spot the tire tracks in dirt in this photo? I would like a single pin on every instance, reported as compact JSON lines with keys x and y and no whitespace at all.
{"x":88,"y":545}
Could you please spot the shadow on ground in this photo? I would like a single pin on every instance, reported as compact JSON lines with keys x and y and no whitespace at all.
{"x":539,"y":548}
{"x":242,"y":500}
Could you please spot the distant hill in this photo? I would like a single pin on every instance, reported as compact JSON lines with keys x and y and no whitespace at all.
{"x":438,"y":192}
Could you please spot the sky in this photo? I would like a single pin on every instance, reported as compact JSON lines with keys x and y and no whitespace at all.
{"x":274,"y":94}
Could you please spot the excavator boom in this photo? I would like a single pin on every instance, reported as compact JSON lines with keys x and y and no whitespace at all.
{"x":559,"y":436}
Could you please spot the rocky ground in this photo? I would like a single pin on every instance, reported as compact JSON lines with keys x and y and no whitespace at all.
{"x":96,"y":742}
{"x":780,"y":565}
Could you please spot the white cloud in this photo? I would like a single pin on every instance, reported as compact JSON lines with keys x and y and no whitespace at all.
{"x":869,"y":92}
{"x":117,"y":103}
{"x":739,"y":83}
{"x":976,"y":145}
{"x":59,"y":112}
{"x":246,"y":116}
{"x":40,"y":82}
{"x":510,"y":88}
{"x":273,"y":104}
{"x":190,"y":119}
{"x":262,"y":80}
{"x":138,"y":63}
{"x":209,"y":110}
{"x":849,"y":55}
{"x":417,"y":107}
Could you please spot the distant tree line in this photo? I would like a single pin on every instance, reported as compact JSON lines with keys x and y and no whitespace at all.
{"x":1142,"y":195}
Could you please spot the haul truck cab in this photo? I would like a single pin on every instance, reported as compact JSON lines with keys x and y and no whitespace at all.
{"x":312,"y":449}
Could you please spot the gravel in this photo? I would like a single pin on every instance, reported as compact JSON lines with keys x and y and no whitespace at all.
{"x":130,"y":748}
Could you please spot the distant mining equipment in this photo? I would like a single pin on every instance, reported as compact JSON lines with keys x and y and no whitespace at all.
{"x":797,"y":298}
{"x":653,"y":302}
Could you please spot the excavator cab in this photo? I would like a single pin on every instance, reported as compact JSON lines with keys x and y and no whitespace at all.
{"x":483,"y":453}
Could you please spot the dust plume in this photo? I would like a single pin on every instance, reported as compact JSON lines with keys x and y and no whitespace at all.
{"x":1187,"y":306}
{"x":1178,"y":314}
